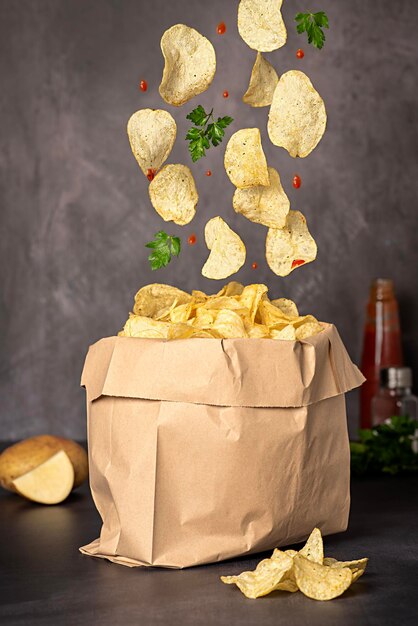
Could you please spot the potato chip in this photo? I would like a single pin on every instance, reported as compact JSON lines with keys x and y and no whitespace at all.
{"x":288,"y":307}
{"x":297,"y":118}
{"x":286,"y":333}
{"x":190,"y":64}
{"x":270,"y":314}
{"x":320,"y":582}
{"x":250,"y":298}
{"x":263,"y":82}
{"x":268,"y":574}
{"x":180,"y":331}
{"x":290,"y":247}
{"x":229,"y":324}
{"x":152,"y":134}
{"x":357,"y":566}
{"x":267,"y":205}
{"x":227,"y":250}
{"x":245,"y":162}
{"x":261,"y":25}
{"x":308,"y":329}
{"x":173,"y":194}
{"x":231,"y":289}
{"x":139,"y":326}
{"x":152,"y":299}
{"x":181,"y":313}
{"x":313,"y":549}
{"x":257,"y":331}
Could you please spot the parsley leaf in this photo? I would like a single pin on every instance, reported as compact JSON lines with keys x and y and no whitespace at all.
{"x":206,"y":131}
{"x":312,"y":24}
{"x":163,"y":248}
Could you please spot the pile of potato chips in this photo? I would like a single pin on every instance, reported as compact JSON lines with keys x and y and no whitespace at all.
{"x":165,"y":312}
{"x":316,"y":577}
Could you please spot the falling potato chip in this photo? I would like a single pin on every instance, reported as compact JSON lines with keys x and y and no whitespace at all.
{"x":173,"y":194}
{"x":227,"y":250}
{"x":190,"y":64}
{"x":357,"y":566}
{"x":288,"y":307}
{"x":152,"y":299}
{"x":314,"y":547}
{"x":262,"y":84}
{"x":245,"y":162}
{"x":267,"y":205}
{"x":261,"y":25}
{"x":320,"y":582}
{"x":268,"y":574}
{"x":152,"y":134}
{"x":290,"y":247}
{"x":297,"y":118}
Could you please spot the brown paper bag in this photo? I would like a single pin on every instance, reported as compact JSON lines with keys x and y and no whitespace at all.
{"x":205,"y":449}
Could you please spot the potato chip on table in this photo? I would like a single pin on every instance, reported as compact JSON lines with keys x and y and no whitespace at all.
{"x":152,"y":134}
{"x":245,"y":162}
{"x":306,"y":570}
{"x":173,"y":194}
{"x":263,"y":82}
{"x":297,"y":118}
{"x":190,"y":64}
{"x":227,"y":251}
{"x":290,"y":247}
{"x":264,"y":204}
{"x":261,"y":25}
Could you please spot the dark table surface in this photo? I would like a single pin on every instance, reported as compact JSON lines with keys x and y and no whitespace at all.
{"x":45,"y":580}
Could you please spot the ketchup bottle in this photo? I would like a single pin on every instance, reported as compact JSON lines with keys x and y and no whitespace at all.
{"x":381,"y":344}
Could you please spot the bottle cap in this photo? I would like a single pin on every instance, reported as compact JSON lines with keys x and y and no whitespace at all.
{"x":396,"y":377}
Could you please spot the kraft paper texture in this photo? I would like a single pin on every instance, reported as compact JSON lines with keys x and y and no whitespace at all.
{"x":203,"y":449}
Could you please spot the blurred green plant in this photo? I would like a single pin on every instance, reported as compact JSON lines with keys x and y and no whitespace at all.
{"x":390,"y":448}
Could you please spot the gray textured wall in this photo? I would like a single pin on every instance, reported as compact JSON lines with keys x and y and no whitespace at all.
{"x":74,"y":208}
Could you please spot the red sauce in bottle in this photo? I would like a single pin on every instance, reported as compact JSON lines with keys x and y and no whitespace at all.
{"x":381,"y":343}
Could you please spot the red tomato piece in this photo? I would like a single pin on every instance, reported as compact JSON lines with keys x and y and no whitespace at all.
{"x":254,"y":266}
{"x":191,"y":240}
{"x":151,"y":174}
{"x":300,"y":53}
{"x":297,"y":262}
{"x":143,"y":85}
{"x":225,"y":94}
{"x":297,"y":181}
{"x":208,"y":173}
{"x":221,"y":28}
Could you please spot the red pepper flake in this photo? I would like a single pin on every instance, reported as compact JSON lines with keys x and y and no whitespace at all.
{"x":225,"y":94}
{"x":297,"y":181}
{"x":151,"y":174}
{"x":254,"y":266}
{"x":221,"y":28}
{"x":208,"y":173}
{"x":191,"y":240}
{"x":297,"y":262}
{"x":300,"y":53}
{"x":143,"y":85}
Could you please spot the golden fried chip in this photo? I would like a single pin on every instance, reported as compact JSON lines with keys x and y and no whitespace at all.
{"x":190,"y":64}
{"x":257,"y":331}
{"x":262,"y":84}
{"x":232,"y":288}
{"x":229,"y":324}
{"x":139,"y":326}
{"x":180,"y":331}
{"x":357,"y":566}
{"x":181,"y":313}
{"x":152,"y":134}
{"x":261,"y":25}
{"x":267,"y":205}
{"x":288,"y":307}
{"x":250,"y":298}
{"x":286,"y":333}
{"x":271,"y":315}
{"x":290,"y":247}
{"x":173,"y":194}
{"x":227,"y":250}
{"x":152,"y":299}
{"x":268,"y":574}
{"x":308,"y":329}
{"x":314,"y":547}
{"x":297,"y":118}
{"x":245,"y":162}
{"x":320,"y":582}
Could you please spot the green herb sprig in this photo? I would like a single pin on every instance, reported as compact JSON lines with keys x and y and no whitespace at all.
{"x":206,"y":131}
{"x":163,"y":248}
{"x":389,"y":448}
{"x":312,"y":24}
